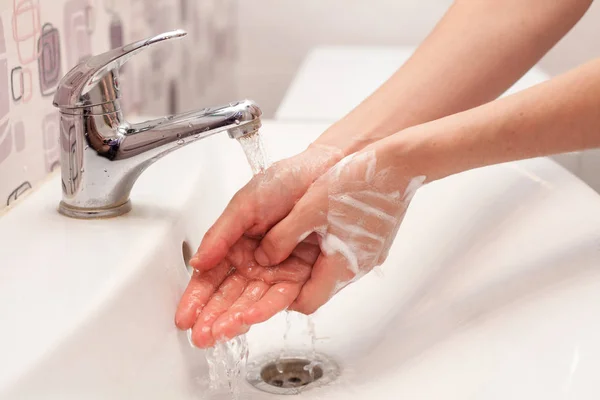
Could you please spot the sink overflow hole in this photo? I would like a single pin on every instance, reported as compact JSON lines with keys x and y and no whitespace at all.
{"x":187,"y":253}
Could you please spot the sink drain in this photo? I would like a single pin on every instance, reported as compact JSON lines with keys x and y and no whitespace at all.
{"x":291,"y":374}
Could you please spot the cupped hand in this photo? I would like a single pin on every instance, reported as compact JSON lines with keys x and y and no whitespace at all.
{"x":355,"y":209}
{"x":263,"y":202}
{"x":225,"y":301}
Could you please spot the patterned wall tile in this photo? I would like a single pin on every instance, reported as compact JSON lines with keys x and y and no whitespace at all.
{"x":49,"y":61}
{"x":40,"y":40}
{"x":5,"y":135}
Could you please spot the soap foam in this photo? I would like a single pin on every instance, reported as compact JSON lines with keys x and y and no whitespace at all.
{"x":354,"y":242}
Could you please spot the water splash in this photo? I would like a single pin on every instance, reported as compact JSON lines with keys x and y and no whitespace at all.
{"x":286,"y":340}
{"x":312,"y":334}
{"x":255,"y":152}
{"x":226,"y":365}
{"x":306,"y":337}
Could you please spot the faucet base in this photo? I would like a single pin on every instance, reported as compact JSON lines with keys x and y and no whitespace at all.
{"x":93,"y":213}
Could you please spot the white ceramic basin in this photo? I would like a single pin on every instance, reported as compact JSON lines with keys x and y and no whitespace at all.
{"x":332,"y":80}
{"x":491,"y":291}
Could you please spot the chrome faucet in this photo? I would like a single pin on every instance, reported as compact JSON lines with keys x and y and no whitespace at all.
{"x":102,"y":155}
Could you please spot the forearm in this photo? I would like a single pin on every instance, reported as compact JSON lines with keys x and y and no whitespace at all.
{"x":561,"y":115}
{"x":477,"y":51}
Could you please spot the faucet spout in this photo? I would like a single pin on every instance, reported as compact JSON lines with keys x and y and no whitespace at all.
{"x":102,"y":155}
{"x":159,"y":137}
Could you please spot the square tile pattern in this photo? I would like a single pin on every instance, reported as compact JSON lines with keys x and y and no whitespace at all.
{"x":42,"y":39}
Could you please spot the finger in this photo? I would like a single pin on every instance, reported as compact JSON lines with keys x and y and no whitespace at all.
{"x":306,"y":217}
{"x":297,"y":268}
{"x":222,"y":299}
{"x":278,"y":298}
{"x":294,"y":271}
{"x":241,"y":256}
{"x":307,"y":252}
{"x":329,"y":275}
{"x":196,"y":295}
{"x":313,"y":238}
{"x":231,"y":323}
{"x":225,"y":232}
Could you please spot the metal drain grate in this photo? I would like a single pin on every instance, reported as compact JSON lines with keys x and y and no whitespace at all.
{"x":292,"y":374}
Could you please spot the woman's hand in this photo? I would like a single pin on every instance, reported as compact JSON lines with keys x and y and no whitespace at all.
{"x":225,"y":301}
{"x":229,"y":291}
{"x":355,"y":209}
{"x":339,"y":230}
{"x":263,"y":202}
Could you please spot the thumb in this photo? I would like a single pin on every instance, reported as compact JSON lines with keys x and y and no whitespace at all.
{"x":282,"y":239}
{"x":225,"y":232}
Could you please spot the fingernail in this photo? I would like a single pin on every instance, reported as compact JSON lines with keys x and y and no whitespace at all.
{"x":261,"y":257}
{"x":179,"y":324}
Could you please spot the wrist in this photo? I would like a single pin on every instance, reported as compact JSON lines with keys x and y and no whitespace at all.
{"x":424,"y":150}
{"x":352,"y":133}
{"x":318,"y":158}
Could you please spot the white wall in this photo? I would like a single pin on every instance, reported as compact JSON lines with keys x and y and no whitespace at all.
{"x":275,"y":36}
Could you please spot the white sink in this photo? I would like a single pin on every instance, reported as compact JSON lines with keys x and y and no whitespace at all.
{"x":333,"y":80}
{"x":491,"y":291}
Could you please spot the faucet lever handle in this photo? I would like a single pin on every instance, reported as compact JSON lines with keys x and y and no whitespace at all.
{"x":75,"y":89}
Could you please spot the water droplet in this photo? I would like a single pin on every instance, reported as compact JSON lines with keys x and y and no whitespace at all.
{"x":180,"y":141}
{"x":86,"y":147}
{"x":279,"y":366}
{"x":190,"y":125}
{"x":237,"y":121}
{"x":105,"y":171}
{"x":197,"y":136}
{"x":179,"y":136}
{"x":82,"y":170}
{"x":207,"y":129}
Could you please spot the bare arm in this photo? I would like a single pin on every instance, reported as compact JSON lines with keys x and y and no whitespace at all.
{"x":476,"y":52}
{"x":357,"y":227}
{"x":558,"y":116}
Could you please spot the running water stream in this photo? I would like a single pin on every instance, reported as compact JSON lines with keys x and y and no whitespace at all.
{"x":227,"y":361}
{"x":255,"y":152}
